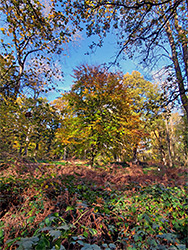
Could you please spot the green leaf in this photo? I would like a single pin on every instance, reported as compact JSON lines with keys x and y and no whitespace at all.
{"x":64,"y":227}
{"x":131,"y":248}
{"x":58,"y":248}
{"x":27,"y":243}
{"x":69,"y":209}
{"x":85,"y":234}
{"x":80,"y":242}
{"x":79,"y":237}
{"x":90,"y":247}
{"x":55,"y":233}
{"x":31,"y":219}
{"x":43,"y":244}
{"x":46,"y":229}
{"x":1,"y":233}
{"x":112,"y":246}
{"x":93,"y":231}
{"x":181,"y":247}
{"x":168,"y":236}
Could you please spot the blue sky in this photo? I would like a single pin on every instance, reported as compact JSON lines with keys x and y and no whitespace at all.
{"x":77,"y":56}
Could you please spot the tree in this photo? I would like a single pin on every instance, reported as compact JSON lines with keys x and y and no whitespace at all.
{"x":7,"y":128}
{"x":178,"y":130}
{"x":65,"y":142}
{"x":28,"y":127}
{"x":31,"y":34}
{"x":146,"y":100}
{"x":103,"y":120}
{"x":38,"y":123}
{"x":148,"y":29}
{"x":167,"y":142}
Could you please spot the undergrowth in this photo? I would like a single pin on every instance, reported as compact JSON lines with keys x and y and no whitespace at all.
{"x":69,"y":206}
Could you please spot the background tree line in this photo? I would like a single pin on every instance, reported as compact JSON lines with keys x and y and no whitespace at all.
{"x":104,"y":117}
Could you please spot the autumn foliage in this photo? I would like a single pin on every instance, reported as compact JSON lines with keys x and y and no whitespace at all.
{"x":102,"y":116}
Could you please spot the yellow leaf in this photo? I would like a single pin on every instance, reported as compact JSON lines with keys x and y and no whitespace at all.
{"x":2,"y":29}
{"x":170,"y":210}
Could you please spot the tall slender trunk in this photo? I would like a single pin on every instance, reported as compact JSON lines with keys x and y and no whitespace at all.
{"x":169,"y":144}
{"x":135,"y":156}
{"x":85,"y":154}
{"x":179,"y":76}
{"x":36,"y":149}
{"x":172,"y":139}
{"x":183,"y":41}
{"x":92,"y":155}
{"x":20,"y":150}
{"x":26,"y":150}
{"x":161,"y":149}
{"x":65,"y":154}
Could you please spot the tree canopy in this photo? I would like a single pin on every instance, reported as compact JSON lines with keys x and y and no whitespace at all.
{"x":108,"y":115}
{"x":149,"y":30}
{"x":32,"y":33}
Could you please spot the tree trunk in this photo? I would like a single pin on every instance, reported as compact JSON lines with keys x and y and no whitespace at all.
{"x":172,"y":139}
{"x":20,"y":150}
{"x":177,"y":68}
{"x":135,"y":159}
{"x":161,"y":149}
{"x":26,"y":149}
{"x":183,"y":40}
{"x":85,"y":154}
{"x":65,"y":154}
{"x":36,"y":149}
{"x":169,"y":144}
{"x":92,"y":155}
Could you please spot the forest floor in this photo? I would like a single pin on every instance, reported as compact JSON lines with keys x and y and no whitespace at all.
{"x":69,"y":205}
